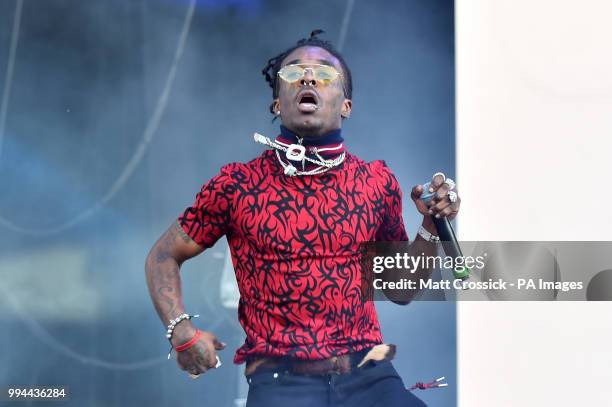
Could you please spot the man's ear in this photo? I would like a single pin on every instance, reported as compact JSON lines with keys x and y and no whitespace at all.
{"x":275,"y":107}
{"x":347,"y":105}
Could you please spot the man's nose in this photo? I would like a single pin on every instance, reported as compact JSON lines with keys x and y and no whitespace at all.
{"x":308,"y":79}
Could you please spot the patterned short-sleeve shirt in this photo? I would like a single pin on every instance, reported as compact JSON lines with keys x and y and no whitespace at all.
{"x":295,"y":249}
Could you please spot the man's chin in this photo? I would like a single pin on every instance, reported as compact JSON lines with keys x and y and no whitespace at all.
{"x":307,"y":126}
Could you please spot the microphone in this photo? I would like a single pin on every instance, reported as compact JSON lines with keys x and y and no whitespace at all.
{"x":447,"y":236}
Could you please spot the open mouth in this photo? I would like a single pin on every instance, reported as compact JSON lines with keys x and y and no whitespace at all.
{"x":308,"y":102}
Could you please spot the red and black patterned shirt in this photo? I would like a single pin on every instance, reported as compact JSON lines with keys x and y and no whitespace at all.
{"x":295,"y":249}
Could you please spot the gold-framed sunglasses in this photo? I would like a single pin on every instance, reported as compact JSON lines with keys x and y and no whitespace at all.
{"x":321,"y":73}
{"x":324,"y":74}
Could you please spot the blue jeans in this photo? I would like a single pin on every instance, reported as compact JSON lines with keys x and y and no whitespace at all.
{"x":377,"y":384}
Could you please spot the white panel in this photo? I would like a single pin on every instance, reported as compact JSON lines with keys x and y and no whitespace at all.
{"x":534,"y":147}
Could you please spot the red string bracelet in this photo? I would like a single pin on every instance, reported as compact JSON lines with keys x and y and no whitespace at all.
{"x":190,"y":342}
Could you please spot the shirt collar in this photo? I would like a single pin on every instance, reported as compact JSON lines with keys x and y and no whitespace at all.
{"x":334,"y":137}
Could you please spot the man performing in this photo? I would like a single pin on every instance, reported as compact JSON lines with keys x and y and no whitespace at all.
{"x":294,"y":218}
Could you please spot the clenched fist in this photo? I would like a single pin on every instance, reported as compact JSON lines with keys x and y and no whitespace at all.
{"x":200,"y":357}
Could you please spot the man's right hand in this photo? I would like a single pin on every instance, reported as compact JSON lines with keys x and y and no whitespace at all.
{"x":202,"y":355}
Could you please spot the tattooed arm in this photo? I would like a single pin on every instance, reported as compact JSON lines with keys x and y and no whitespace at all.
{"x":162,"y":271}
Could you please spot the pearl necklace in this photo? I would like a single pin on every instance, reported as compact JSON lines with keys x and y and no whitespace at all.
{"x":297,"y":152}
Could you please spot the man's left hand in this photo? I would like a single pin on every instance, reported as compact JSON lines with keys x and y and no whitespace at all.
{"x":441,"y":204}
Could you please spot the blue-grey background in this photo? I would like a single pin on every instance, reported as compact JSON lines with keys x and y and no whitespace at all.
{"x":108,"y":129}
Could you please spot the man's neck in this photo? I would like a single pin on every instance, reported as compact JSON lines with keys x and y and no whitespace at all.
{"x":332,"y":137}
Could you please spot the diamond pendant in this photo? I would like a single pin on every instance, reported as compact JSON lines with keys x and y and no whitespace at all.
{"x":290,"y":170}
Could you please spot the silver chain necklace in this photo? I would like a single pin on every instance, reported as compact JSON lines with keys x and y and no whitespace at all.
{"x":297,"y":152}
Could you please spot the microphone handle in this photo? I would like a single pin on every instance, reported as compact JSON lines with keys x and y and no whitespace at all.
{"x":450,"y":244}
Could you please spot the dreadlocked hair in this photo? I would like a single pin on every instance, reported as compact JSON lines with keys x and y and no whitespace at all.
{"x":270,"y":71}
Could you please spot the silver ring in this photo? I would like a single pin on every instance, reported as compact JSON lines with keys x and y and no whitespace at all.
{"x":439,"y":173}
{"x":452,"y":196}
{"x":194,"y":376}
{"x":451,"y":184}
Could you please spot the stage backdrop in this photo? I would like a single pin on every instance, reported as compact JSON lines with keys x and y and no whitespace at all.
{"x":114,"y":113}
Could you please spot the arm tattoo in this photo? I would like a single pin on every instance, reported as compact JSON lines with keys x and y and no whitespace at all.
{"x":163,"y":277}
{"x":181,"y":232}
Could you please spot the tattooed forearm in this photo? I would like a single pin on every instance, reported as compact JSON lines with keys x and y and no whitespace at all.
{"x":164,"y":281}
{"x":162,"y":271}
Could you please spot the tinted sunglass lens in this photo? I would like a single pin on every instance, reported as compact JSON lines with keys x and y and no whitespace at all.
{"x":325,"y":74}
{"x":291,"y":73}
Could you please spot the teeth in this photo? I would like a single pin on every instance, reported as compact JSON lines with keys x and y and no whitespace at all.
{"x":308,"y":107}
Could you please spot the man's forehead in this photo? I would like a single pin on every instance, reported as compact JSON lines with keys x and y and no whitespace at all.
{"x":314,"y":55}
{"x":307,"y":61}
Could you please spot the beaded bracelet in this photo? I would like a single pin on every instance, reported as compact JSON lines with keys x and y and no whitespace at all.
{"x":173,"y":324}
